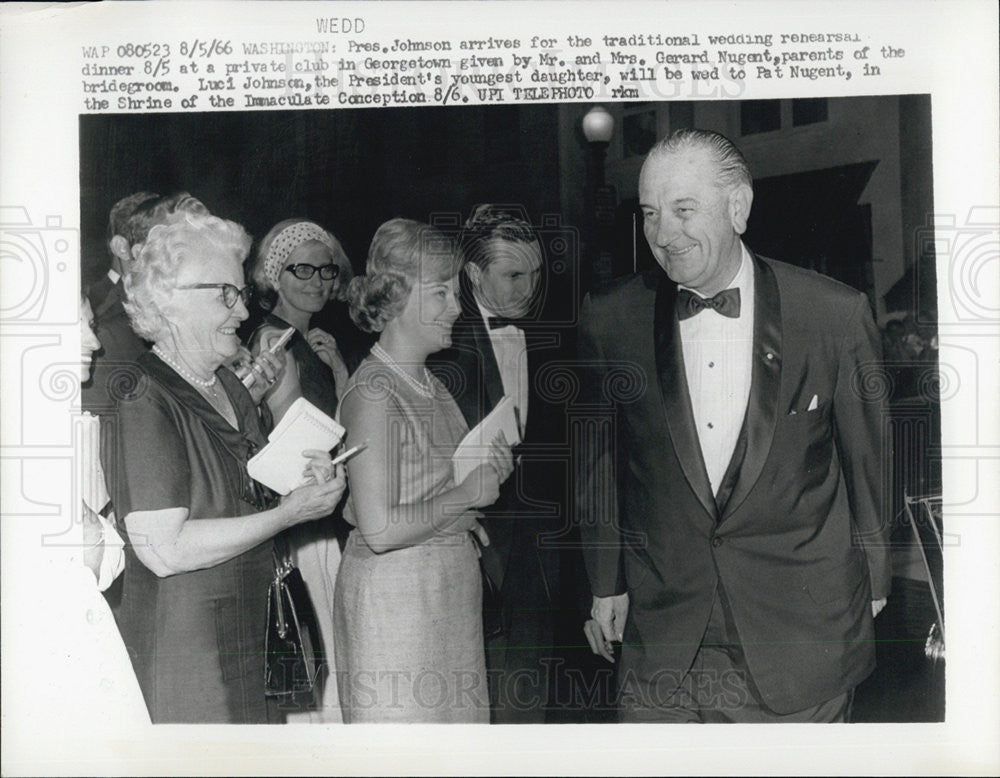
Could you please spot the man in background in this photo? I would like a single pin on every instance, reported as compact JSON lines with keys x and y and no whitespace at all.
{"x":119,"y":345}
{"x":497,"y":350}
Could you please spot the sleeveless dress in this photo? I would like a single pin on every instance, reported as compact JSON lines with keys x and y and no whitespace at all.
{"x":196,"y":639}
{"x":313,"y":544}
{"x":409,"y":621}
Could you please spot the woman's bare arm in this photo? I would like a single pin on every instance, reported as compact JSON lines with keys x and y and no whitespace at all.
{"x":168,"y":543}
{"x":375,"y":473}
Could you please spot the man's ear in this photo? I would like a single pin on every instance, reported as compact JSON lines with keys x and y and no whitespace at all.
{"x":474,"y":273}
{"x":119,"y":247}
{"x":740,"y":200}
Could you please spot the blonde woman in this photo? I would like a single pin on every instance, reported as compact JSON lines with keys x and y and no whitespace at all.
{"x":408,"y":604}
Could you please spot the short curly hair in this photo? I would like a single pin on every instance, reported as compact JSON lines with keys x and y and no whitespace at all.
{"x":402,"y":253}
{"x":158,"y":210}
{"x":267,"y":292}
{"x":122,"y":211}
{"x":167,"y":248}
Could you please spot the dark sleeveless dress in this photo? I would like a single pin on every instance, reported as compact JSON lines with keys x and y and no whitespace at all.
{"x":315,"y":376}
{"x":195,"y":639}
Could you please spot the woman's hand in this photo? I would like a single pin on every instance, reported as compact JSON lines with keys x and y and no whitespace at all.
{"x":479,"y":530}
{"x":267,"y":367}
{"x":325,"y":346}
{"x":93,"y":541}
{"x":320,"y":467}
{"x":320,"y":494}
{"x":483,"y":483}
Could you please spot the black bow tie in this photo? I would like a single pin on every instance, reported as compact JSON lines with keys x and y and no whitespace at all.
{"x":496,"y":322}
{"x":726,"y":302}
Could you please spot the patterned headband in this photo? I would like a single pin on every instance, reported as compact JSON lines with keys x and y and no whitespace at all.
{"x":286,"y":241}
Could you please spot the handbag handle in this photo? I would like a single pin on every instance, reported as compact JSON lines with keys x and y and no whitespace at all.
{"x":282,"y":568}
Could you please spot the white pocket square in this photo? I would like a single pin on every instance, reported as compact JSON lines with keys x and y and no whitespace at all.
{"x":813,"y":403}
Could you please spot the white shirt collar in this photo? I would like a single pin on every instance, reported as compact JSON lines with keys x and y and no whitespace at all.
{"x":114,"y":275}
{"x":485,"y":313}
{"x":482,"y":311}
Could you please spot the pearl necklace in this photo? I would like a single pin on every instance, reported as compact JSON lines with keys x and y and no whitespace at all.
{"x":185,"y":374}
{"x":423,"y":389}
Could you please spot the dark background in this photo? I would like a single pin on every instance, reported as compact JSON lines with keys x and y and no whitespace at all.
{"x":348,"y":170}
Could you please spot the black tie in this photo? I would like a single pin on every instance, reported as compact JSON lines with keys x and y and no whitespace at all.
{"x":495,"y":322}
{"x":726,"y":302}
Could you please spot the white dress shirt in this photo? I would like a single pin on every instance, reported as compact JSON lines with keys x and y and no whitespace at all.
{"x":511,"y":351}
{"x":718,"y":357}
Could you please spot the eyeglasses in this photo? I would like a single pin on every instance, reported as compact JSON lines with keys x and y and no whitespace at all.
{"x":230,"y":293}
{"x":304,"y":271}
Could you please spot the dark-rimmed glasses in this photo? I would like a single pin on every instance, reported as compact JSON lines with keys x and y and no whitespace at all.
{"x":230,"y":293}
{"x":304,"y":271}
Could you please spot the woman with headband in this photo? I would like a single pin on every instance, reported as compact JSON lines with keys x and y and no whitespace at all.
{"x":299,"y":267}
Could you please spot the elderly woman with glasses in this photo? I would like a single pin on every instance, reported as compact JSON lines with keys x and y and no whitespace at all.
{"x":200,"y":553}
{"x":298,"y":268}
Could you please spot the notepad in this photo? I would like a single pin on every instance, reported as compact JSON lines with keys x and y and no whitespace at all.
{"x":475,"y":446}
{"x":279,"y":465}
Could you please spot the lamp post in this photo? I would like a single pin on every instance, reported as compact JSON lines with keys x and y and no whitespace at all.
{"x":601,"y":199}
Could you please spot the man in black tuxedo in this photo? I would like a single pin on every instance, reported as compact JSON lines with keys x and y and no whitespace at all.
{"x":497,"y":349}
{"x":119,"y":345}
{"x":742,"y":553}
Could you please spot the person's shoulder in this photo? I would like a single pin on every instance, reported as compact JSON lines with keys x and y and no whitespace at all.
{"x":815,"y":291}
{"x":372,"y":383}
{"x":632,"y":287}
{"x":140,"y":388}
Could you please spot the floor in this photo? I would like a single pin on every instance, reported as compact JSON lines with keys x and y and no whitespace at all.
{"x":906,"y":685}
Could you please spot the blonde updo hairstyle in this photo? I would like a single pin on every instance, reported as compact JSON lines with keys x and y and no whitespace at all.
{"x":152,"y":280}
{"x":267,"y":290}
{"x":403,"y":252}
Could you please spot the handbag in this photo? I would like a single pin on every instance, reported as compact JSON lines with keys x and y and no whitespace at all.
{"x":289,"y":657}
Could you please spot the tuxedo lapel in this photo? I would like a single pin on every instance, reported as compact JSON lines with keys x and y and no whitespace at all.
{"x":492,"y":383}
{"x":111,"y":305}
{"x":765,"y":383}
{"x":98,"y":293}
{"x":676,"y":398}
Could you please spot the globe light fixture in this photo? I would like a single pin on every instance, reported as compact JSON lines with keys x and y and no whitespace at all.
{"x":598,"y":125}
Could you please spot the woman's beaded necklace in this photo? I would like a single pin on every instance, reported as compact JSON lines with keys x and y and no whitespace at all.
{"x":424,"y":389}
{"x":186,"y":374}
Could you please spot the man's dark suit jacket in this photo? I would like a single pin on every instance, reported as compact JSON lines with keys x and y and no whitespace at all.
{"x":114,"y":374}
{"x":114,"y":365}
{"x":796,"y":535}
{"x":469,"y":369}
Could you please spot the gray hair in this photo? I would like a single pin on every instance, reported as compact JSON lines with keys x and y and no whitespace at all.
{"x":168,"y":247}
{"x":731,"y":165}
